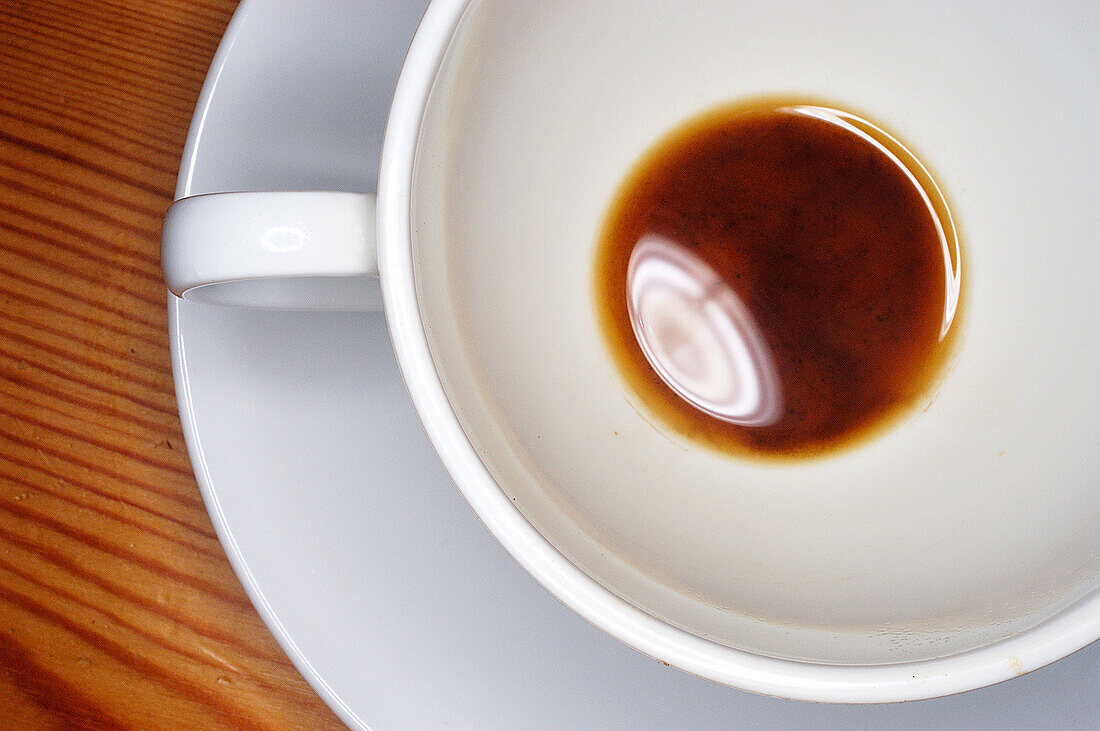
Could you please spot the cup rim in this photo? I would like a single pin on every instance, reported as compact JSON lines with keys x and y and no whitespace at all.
{"x":1054,"y":638}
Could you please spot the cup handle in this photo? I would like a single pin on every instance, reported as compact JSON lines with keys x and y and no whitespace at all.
{"x":273,"y":250}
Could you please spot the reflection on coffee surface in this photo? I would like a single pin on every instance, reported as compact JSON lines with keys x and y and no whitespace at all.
{"x":778,"y":278}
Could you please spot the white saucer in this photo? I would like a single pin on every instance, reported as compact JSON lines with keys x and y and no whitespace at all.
{"x":370,"y":570}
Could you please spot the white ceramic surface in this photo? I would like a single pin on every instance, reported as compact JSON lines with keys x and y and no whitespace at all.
{"x":972,"y":520}
{"x":369,"y":569}
{"x":297,"y":250}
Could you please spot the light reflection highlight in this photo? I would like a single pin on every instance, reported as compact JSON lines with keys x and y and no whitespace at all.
{"x":284,"y":239}
{"x":699,"y":336}
{"x":922,"y":181}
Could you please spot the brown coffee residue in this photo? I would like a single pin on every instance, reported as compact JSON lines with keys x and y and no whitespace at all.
{"x":778,"y":278}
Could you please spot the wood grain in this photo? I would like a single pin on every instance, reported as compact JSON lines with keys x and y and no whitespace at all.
{"x":118,"y":608}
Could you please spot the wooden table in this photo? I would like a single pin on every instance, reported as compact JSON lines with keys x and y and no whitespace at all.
{"x":118,"y":607}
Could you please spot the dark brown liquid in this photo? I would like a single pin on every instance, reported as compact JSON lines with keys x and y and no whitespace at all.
{"x":778,"y":278}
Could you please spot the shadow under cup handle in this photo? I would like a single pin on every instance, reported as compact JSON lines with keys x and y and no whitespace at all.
{"x":273,"y":250}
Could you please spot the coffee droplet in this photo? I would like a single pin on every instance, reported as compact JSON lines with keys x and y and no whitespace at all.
{"x":778,"y":278}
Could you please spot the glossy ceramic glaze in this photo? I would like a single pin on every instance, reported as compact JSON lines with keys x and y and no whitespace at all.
{"x":872,"y":575}
{"x":1069,"y":630}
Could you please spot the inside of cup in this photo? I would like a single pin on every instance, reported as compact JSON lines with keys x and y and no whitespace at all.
{"x":973,"y":519}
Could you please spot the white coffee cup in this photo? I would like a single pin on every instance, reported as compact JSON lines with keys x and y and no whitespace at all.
{"x":958,"y":549}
